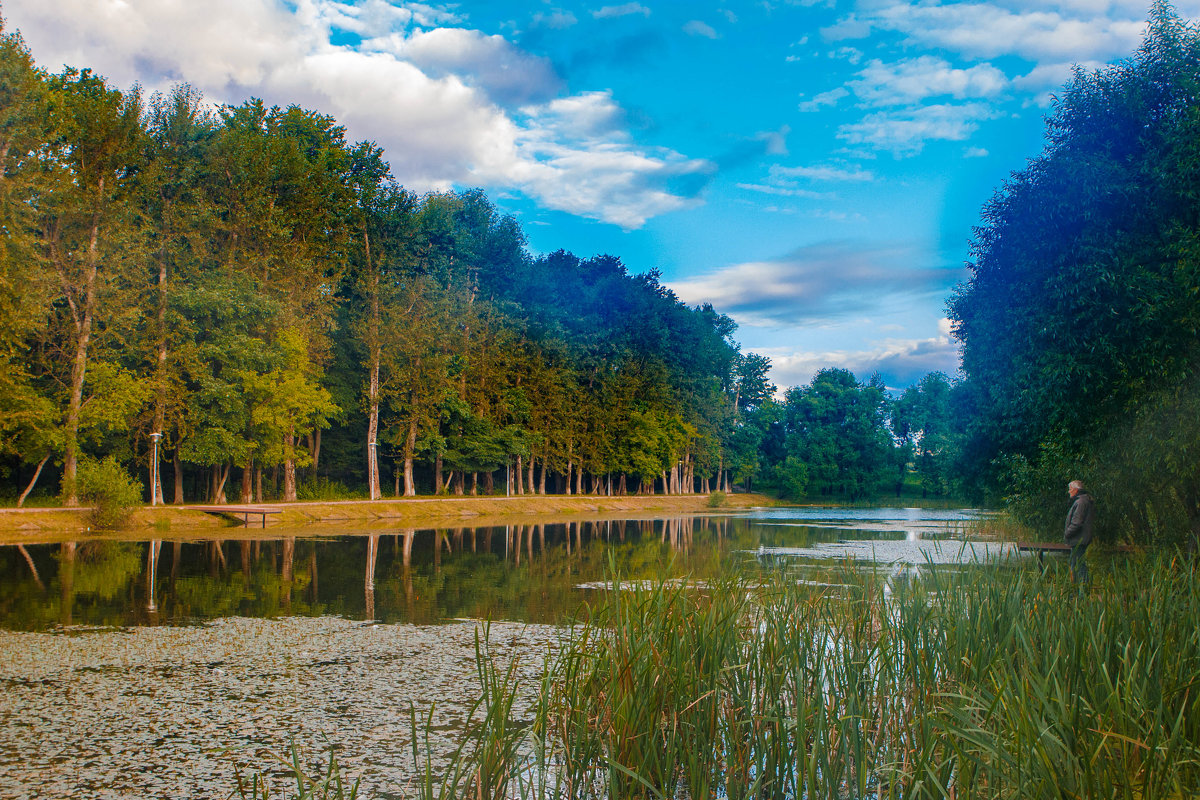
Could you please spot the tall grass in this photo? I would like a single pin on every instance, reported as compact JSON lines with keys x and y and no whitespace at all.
{"x":983,"y":682}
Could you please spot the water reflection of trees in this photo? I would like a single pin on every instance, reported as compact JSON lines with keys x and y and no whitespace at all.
{"x":522,"y":571}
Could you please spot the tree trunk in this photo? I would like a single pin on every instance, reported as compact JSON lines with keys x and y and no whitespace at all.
{"x":570,"y":466}
{"x":36,"y":473}
{"x":178,"y":464}
{"x":396,"y":475}
{"x":438,"y":485}
{"x":579,"y":480}
{"x":373,"y":342}
{"x":520,"y":487}
{"x":258,"y":495}
{"x":542,"y":477}
{"x":160,"y":372}
{"x":289,"y":469}
{"x":410,"y":446}
{"x":247,"y":485}
{"x":220,"y":476}
{"x":489,"y":482}
{"x":474,"y":483}
{"x":83,"y":335}
{"x":531,"y":487}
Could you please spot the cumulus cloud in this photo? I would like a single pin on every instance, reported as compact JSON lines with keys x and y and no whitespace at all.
{"x":450,"y":105}
{"x":915,"y":79}
{"x":624,"y":10}
{"x":816,"y":283}
{"x":905,"y":131}
{"x":509,"y":75}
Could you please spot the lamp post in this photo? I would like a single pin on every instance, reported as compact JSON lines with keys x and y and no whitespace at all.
{"x":155,"y":491}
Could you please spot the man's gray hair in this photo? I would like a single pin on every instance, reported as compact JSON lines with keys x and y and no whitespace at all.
{"x":1075,"y":485}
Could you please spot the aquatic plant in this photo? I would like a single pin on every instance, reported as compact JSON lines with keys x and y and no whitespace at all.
{"x":989,"y":681}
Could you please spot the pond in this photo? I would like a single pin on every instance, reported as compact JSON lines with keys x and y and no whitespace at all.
{"x":159,"y":668}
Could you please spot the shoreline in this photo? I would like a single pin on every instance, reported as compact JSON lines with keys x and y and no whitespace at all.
{"x":40,"y":525}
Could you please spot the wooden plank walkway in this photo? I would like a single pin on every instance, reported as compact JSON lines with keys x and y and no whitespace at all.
{"x":245,"y":512}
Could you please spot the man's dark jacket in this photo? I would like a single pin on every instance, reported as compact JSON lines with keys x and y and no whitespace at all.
{"x":1081,"y":520}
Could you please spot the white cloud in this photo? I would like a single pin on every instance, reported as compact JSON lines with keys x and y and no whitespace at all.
{"x":697,"y":28}
{"x":905,"y":131}
{"x":624,"y":10}
{"x":915,"y":79}
{"x":824,"y":99}
{"x":508,"y":74}
{"x":784,"y":191}
{"x":900,"y":361}
{"x":851,"y":54}
{"x":1074,"y":30}
{"x":555,"y":20}
{"x":816,"y":283}
{"x":849,"y":27}
{"x":451,"y":106}
{"x":824,"y":172}
{"x":975,"y":152}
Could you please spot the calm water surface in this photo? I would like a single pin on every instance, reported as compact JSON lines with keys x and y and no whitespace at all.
{"x":161,"y":668}
{"x":525,"y":573}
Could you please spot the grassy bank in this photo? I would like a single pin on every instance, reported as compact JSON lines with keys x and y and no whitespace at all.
{"x":57,"y":524}
{"x":992,"y":682}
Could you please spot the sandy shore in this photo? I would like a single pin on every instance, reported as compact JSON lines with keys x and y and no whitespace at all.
{"x":28,"y":526}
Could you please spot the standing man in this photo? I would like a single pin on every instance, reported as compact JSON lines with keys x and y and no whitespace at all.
{"x":1078,"y":533}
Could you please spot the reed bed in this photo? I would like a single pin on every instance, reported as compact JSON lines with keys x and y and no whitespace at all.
{"x":991,"y":681}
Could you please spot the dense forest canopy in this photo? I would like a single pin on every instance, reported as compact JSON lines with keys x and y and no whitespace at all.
{"x":264,"y":295}
{"x":1079,"y":321}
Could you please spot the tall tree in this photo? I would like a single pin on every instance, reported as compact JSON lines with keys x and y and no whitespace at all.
{"x":88,"y":226}
{"x":1081,"y":303}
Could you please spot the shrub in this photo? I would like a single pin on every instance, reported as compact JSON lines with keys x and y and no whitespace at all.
{"x":322,"y":488}
{"x":109,"y":490}
{"x":716,"y":500}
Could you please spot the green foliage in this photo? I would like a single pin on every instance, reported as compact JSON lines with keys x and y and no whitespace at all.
{"x":1081,"y":311}
{"x":716,"y":500}
{"x":109,"y":489}
{"x":322,"y":488}
{"x":980,"y":683}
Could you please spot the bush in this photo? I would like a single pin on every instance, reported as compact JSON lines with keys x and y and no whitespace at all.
{"x":322,"y":488}
{"x":109,"y":490}
{"x":716,"y":500}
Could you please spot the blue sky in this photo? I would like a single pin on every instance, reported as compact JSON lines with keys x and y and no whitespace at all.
{"x":811,"y":167}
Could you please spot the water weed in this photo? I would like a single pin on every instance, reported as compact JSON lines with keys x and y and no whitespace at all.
{"x":990,"y":681}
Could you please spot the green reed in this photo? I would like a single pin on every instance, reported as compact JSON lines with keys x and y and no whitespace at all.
{"x":987,"y":681}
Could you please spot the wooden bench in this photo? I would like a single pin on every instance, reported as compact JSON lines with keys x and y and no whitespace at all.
{"x":245,"y":512}
{"x":1041,"y":548}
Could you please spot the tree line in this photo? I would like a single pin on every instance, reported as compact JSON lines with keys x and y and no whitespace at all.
{"x":265,"y":300}
{"x":1080,"y":320}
